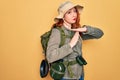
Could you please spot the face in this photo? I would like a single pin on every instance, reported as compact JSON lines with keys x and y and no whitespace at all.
{"x":71,"y":16}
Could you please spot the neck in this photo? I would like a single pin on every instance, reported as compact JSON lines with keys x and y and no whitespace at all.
{"x":67,"y":25}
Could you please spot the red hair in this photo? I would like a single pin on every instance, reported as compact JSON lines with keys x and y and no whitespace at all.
{"x":75,"y":25}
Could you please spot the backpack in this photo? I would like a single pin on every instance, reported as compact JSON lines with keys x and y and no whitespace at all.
{"x":44,"y":67}
{"x":45,"y":39}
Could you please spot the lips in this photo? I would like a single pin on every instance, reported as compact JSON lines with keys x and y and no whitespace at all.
{"x":74,"y":19}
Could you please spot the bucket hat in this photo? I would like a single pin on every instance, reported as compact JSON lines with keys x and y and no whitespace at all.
{"x":64,"y":7}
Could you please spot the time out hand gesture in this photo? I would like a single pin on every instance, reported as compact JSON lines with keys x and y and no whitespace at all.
{"x":76,"y":35}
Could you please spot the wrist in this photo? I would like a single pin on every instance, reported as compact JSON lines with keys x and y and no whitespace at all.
{"x":71,"y":45}
{"x":85,"y":29}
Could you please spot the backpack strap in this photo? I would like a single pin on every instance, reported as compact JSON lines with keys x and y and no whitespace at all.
{"x":63,"y":36}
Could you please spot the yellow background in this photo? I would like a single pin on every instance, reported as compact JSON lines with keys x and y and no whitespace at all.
{"x":23,"y":21}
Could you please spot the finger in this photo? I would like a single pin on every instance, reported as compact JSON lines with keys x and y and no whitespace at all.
{"x":74,"y":30}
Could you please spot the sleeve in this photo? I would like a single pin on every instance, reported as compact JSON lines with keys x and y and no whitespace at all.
{"x":92,"y":33}
{"x":54,"y":52}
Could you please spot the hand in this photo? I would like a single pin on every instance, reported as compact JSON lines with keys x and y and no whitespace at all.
{"x":74,"y":39}
{"x":84,"y":29}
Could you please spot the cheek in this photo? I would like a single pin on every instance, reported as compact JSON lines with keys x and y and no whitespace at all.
{"x":67,"y":18}
{"x":76,"y":14}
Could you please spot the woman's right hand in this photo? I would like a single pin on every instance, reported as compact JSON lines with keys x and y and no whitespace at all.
{"x":74,"y":39}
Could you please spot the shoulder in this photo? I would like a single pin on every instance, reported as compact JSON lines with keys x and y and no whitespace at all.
{"x":55,"y":32}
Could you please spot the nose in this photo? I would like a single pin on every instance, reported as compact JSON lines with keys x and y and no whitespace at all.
{"x":74,"y":14}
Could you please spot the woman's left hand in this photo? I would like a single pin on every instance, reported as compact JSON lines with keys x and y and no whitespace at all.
{"x":84,"y":29}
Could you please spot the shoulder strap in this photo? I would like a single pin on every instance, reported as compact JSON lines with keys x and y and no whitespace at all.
{"x":62,"y":33}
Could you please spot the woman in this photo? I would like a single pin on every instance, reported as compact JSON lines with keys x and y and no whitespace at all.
{"x":68,"y":19}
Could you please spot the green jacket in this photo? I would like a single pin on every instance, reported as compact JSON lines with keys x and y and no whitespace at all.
{"x":67,"y":53}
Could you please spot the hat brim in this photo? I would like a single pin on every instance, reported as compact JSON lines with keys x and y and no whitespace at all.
{"x":79,"y":8}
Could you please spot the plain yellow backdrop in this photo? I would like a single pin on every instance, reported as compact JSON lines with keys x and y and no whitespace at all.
{"x":23,"y":21}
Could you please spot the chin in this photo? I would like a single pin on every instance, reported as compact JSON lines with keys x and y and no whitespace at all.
{"x":73,"y":22}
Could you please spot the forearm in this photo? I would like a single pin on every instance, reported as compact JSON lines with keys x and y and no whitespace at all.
{"x":93,"y":32}
{"x":55,"y":53}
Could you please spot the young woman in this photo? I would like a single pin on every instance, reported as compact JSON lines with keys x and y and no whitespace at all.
{"x":68,"y":19}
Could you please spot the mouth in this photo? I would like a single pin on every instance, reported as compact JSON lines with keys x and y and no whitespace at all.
{"x":74,"y":19}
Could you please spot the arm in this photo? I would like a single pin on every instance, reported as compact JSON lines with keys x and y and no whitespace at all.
{"x":92,"y":33}
{"x":54,"y":52}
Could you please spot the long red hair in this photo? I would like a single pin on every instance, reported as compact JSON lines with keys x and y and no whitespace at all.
{"x":75,"y":25}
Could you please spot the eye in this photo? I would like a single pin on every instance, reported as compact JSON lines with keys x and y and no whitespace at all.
{"x":74,"y":10}
{"x":68,"y":12}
